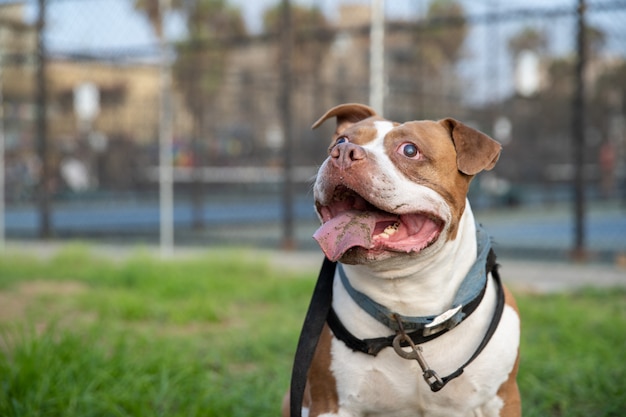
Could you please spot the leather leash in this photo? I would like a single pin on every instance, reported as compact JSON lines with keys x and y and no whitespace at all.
{"x":310,"y":334}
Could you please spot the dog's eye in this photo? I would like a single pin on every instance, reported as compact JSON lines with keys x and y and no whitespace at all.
{"x":341,"y":139}
{"x":409,"y":150}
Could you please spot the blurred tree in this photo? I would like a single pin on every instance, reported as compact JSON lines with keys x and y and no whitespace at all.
{"x":530,"y":39}
{"x":312,"y":40}
{"x":560,"y":86}
{"x":152,"y":10}
{"x":308,"y":20}
{"x":438,"y":46}
{"x":199,"y":69}
{"x":560,"y":69}
{"x":541,"y":144}
{"x":313,"y":37}
{"x":213,"y":26}
{"x":596,"y":39}
{"x":201,"y":59}
{"x":607,"y":102}
{"x":447,"y":38}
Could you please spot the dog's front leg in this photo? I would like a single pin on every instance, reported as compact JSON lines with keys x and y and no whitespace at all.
{"x":322,"y":385}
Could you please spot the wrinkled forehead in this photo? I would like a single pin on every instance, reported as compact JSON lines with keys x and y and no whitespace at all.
{"x":367,"y":131}
{"x":373,"y":131}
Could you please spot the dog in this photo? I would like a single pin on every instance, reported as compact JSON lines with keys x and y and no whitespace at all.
{"x":419,"y":323}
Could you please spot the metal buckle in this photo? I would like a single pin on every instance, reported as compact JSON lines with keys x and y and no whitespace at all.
{"x":442,"y":322}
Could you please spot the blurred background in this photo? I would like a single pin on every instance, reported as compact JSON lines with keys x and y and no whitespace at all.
{"x":187,"y":122}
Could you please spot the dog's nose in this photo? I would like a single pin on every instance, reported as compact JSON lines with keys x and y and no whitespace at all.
{"x":344,"y":155}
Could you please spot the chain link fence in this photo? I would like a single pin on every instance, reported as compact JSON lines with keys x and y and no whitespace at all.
{"x":507,"y":68}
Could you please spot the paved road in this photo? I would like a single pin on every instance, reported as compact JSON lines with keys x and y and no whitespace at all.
{"x":531,"y":232}
{"x":543,"y":228}
{"x":120,"y":215}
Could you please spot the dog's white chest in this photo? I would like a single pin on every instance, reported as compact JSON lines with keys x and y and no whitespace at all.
{"x":388,"y":385}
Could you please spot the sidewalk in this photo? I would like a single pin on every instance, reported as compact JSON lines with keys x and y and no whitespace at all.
{"x":547,"y":277}
{"x":520,"y":275}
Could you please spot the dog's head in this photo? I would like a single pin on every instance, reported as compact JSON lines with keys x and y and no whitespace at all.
{"x":389,"y":189}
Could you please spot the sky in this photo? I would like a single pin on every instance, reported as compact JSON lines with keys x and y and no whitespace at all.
{"x":67,"y":28}
{"x":112,"y":25}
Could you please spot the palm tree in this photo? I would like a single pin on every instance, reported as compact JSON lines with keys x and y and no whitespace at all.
{"x":200,"y":66}
{"x":312,"y":37}
{"x":152,"y":9}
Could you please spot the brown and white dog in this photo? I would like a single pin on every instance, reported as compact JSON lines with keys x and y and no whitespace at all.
{"x":392,"y":201}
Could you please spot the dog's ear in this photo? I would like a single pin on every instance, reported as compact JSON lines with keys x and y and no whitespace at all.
{"x":475,"y":151}
{"x":346,"y":114}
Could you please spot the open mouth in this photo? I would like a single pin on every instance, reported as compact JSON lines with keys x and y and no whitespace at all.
{"x":351,"y":221}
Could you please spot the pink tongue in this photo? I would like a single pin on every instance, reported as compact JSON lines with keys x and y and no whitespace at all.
{"x":349,"y":229}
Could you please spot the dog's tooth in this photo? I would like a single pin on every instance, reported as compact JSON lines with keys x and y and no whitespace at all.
{"x":391,"y":229}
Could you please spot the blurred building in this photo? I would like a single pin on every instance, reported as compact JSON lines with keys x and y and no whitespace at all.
{"x":17,"y":47}
{"x":226,"y":97}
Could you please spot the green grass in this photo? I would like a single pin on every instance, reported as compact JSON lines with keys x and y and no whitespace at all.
{"x":573,"y":354}
{"x":214,"y":335}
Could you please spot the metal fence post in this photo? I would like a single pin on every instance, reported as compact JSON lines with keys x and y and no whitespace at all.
{"x":288,"y":241}
{"x":578,"y":137}
{"x":45,"y":229}
{"x":2,"y":156}
{"x":166,"y":181}
{"x":377,"y":55}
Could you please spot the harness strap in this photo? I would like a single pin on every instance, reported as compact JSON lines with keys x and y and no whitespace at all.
{"x":309,"y":336}
{"x":495,"y":320}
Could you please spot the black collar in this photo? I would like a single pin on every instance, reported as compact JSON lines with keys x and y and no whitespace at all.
{"x":424,"y":329}
{"x":375,"y":345}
